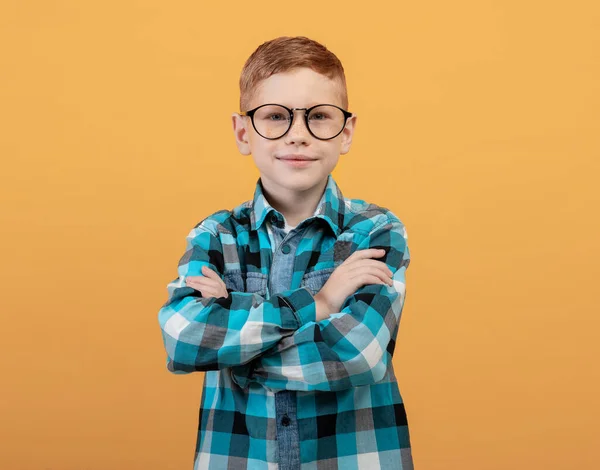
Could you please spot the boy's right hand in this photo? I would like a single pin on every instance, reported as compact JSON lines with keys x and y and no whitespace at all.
{"x":209,"y":284}
{"x":356,"y":271}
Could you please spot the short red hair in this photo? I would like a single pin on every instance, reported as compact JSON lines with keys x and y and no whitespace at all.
{"x":283,"y":54}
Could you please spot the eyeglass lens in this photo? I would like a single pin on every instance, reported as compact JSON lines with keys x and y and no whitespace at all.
{"x":273,"y":121}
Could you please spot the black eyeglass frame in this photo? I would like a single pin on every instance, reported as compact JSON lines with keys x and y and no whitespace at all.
{"x":250,"y":113}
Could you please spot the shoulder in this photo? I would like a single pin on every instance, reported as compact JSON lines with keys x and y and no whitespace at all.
{"x":366,"y":217}
{"x":226,"y":221}
{"x":211,"y":223}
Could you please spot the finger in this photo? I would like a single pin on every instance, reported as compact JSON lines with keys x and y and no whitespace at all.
{"x":204,"y":283}
{"x":213,"y":275}
{"x":374,"y":279}
{"x":209,"y":293}
{"x":218,"y":281}
{"x":375,"y":271}
{"x":362,"y":261}
{"x":209,"y":272}
{"x":368,"y":253}
{"x":370,"y":263}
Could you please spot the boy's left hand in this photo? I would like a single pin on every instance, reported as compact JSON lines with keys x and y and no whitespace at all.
{"x":209,"y":285}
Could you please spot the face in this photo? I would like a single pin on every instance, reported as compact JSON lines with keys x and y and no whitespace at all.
{"x":299,"y":88}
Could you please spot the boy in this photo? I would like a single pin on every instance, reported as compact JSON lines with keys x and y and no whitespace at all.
{"x":281,"y":301}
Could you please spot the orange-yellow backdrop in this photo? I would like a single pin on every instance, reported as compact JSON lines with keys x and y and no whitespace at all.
{"x":478,"y":125}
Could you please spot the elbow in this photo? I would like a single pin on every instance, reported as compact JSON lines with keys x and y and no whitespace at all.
{"x":175,"y":368}
{"x":183,"y":365}
{"x":181,"y":339}
{"x":184,"y":357}
{"x":379,"y":370}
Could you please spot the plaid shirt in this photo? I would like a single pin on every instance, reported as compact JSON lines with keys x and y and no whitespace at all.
{"x":261,"y":343}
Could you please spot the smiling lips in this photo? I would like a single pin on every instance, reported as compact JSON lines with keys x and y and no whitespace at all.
{"x":296,"y":162}
{"x":295,"y":157}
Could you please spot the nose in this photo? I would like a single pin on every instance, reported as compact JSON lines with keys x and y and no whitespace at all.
{"x":298,"y":131}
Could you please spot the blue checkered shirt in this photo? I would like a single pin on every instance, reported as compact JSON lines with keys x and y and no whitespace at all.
{"x":283,"y":391}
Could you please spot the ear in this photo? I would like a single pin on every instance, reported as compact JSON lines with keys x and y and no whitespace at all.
{"x":241,"y":132}
{"x":347,"y":134}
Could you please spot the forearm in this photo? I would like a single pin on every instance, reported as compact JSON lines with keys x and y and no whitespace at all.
{"x":213,"y":333}
{"x":337,"y":353}
{"x":350,"y":347}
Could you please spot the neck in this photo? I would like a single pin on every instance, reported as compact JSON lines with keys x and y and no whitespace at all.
{"x":295,"y":205}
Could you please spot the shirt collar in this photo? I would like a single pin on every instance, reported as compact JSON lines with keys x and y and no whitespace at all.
{"x":331,"y":208}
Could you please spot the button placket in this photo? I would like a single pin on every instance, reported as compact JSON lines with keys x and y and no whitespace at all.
{"x":283,"y":246}
{"x":282,"y":265}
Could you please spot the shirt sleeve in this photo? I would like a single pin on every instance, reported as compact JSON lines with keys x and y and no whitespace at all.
{"x":207,"y":333}
{"x":350,"y":348}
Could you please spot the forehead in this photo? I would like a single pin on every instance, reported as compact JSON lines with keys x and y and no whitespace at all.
{"x":300,"y":87}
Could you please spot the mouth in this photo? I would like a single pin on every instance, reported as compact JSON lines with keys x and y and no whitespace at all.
{"x":297,"y":162}
{"x":296,"y":159}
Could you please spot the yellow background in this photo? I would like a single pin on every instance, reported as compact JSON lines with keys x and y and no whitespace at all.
{"x":478,"y":125}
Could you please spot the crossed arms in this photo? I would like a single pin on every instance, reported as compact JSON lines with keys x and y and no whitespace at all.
{"x":277,"y":342}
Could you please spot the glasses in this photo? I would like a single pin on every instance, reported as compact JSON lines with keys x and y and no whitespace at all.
{"x":323,"y":121}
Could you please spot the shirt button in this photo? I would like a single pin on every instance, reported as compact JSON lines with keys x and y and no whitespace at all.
{"x":285,"y":421}
{"x":286,"y":249}
{"x":273,"y":218}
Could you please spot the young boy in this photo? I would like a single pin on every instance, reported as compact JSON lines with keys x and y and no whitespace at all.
{"x":281,"y":300}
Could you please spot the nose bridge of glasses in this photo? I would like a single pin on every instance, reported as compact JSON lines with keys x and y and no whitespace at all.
{"x":292,"y":113}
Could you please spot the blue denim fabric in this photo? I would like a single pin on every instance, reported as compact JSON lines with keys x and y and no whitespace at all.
{"x":282,"y":267}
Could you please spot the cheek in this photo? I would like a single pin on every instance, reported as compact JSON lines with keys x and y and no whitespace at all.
{"x":263,"y":150}
{"x":264,"y":159}
{"x":262,"y":147}
{"x":330,"y":163}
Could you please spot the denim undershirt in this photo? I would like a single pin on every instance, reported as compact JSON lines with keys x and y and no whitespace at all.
{"x":282,"y":267}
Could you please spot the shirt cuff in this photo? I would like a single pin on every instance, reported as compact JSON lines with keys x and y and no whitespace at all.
{"x":302,"y":303}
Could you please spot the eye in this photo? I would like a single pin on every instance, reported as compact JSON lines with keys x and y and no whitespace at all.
{"x":277,"y":116}
{"x":322,"y":116}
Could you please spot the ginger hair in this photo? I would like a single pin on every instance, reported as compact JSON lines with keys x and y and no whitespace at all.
{"x":283,"y":54}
